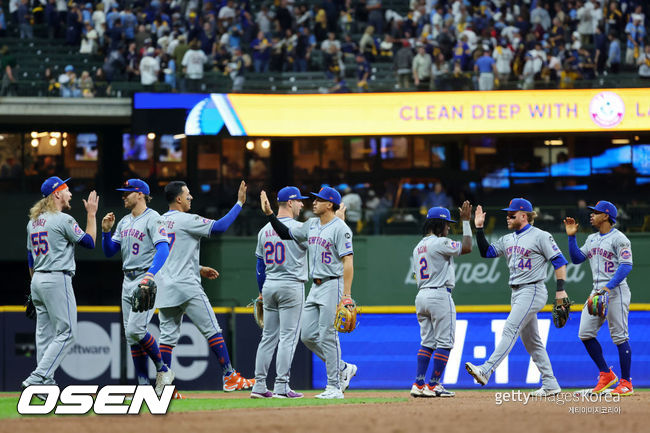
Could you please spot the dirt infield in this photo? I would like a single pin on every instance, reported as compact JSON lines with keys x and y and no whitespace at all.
{"x":469,"y":411}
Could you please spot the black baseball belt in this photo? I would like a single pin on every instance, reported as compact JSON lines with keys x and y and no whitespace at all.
{"x":132,"y":273}
{"x":516,"y":286}
{"x":319,"y":281}
{"x":68,"y":273}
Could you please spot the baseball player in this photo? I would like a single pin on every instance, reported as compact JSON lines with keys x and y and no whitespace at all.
{"x":179,"y":281}
{"x":330,"y":253}
{"x":141,"y":237}
{"x":610,"y":256}
{"x":527,"y":251}
{"x":281,"y":276}
{"x":433,"y":265}
{"x":51,"y":238}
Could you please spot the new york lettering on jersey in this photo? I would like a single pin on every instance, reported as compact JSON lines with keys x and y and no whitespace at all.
{"x":282,"y":259}
{"x":51,"y":238}
{"x":328,"y":244}
{"x":527,"y":253}
{"x":433,"y":262}
{"x":605,"y":253}
{"x":138,"y":236}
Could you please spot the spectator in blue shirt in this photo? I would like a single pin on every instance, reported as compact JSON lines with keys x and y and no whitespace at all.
{"x":635,"y":33}
{"x":24,"y":16}
{"x":614,"y":57}
{"x":485,"y":67}
{"x":129,"y":23}
{"x":261,"y":53}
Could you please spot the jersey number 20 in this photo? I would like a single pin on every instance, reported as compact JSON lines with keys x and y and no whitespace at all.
{"x":274,"y":253}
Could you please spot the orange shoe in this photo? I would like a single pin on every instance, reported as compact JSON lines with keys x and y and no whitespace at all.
{"x":605,"y":380}
{"x":178,"y":396}
{"x":624,"y":388}
{"x":234,"y":382}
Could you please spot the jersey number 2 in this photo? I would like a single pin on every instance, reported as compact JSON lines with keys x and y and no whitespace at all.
{"x":423,"y":269}
{"x":39,"y":241}
{"x":274,"y":253}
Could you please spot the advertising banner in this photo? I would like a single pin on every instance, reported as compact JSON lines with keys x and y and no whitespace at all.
{"x":385,"y":346}
{"x":518,"y":111}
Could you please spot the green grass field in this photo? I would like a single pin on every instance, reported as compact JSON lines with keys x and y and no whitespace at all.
{"x":196,"y":402}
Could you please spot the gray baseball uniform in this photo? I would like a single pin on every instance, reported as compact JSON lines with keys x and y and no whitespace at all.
{"x":433,"y":265}
{"x":179,"y":281}
{"x":327,"y":245}
{"x":605,"y":253}
{"x":527,"y":253}
{"x":284,"y":294}
{"x":137,"y":237}
{"x":51,"y":240}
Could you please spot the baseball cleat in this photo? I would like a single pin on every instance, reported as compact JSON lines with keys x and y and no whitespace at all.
{"x":605,"y":380}
{"x":178,"y":396}
{"x":545,"y":392}
{"x":330,"y":393}
{"x":476,"y":373}
{"x":265,"y":394}
{"x":624,"y":388}
{"x":163,"y":378}
{"x":417,"y":390}
{"x":235,"y":382}
{"x":290,"y":394}
{"x":25,"y":384}
{"x":437,"y":391}
{"x":346,"y":375}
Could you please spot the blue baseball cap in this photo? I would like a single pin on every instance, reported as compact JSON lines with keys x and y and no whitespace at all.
{"x":135,"y":185}
{"x":519,"y":204}
{"x":605,"y":207}
{"x":328,"y":194}
{"x":52,"y":184}
{"x":290,"y":193}
{"x":439,"y":213}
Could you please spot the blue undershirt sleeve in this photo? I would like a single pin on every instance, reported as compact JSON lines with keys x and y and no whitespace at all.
{"x":261,"y":273}
{"x":109,"y":246}
{"x":87,"y":242}
{"x":162,"y":252}
{"x":576,"y":255}
{"x":621,"y":273}
{"x":559,"y":261}
{"x":222,"y":225}
{"x":30,"y":260}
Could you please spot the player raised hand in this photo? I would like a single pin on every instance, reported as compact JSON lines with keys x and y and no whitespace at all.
{"x":571,"y":226}
{"x":341,"y":212}
{"x":209,"y":273}
{"x":241,"y":194}
{"x":92,"y":203}
{"x":465,"y":211}
{"x":264,"y":202}
{"x":107,"y":222}
{"x":479,"y":217}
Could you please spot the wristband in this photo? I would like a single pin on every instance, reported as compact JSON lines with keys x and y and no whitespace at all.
{"x":240,"y":203}
{"x":560,"y":285}
{"x":467,"y":229}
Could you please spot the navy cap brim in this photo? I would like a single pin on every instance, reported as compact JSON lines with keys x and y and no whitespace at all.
{"x":593,"y":208}
{"x":67,"y":180}
{"x":321,"y":197}
{"x":128,"y":189}
{"x":443,"y":219}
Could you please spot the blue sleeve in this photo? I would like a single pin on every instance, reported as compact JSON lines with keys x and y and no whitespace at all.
{"x":87,"y":242}
{"x":162,"y":252}
{"x":559,"y":261}
{"x":222,"y":225}
{"x":109,"y":246}
{"x":577,"y":256}
{"x":261,"y":273}
{"x":30,"y":260}
{"x":621,"y":273}
{"x":491,"y":253}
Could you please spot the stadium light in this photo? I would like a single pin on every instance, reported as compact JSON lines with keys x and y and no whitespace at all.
{"x":266,"y":144}
{"x":179,"y":136}
{"x":35,"y":142}
{"x":64,"y":143}
{"x":52,"y":141}
{"x":250,"y":145}
{"x":620,"y":141}
{"x":151,"y":136}
{"x":553,"y":142}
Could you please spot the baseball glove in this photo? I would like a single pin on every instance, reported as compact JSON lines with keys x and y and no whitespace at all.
{"x":597,"y":304}
{"x":144,"y":297}
{"x":258,"y":311}
{"x":30,"y":309}
{"x":561,"y":311}
{"x":346,"y":316}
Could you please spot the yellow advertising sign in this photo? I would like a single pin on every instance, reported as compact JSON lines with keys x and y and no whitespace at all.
{"x":516,"y":111}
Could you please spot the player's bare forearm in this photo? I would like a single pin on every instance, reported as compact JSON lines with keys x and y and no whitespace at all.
{"x":560,"y":273}
{"x":91,"y":206}
{"x":348,"y":274}
{"x":466,"y":245}
{"x":31,"y":273}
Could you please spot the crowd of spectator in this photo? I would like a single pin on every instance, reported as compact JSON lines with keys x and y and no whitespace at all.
{"x":432,"y":44}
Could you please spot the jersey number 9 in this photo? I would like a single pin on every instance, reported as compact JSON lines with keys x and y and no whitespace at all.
{"x":135,"y":249}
